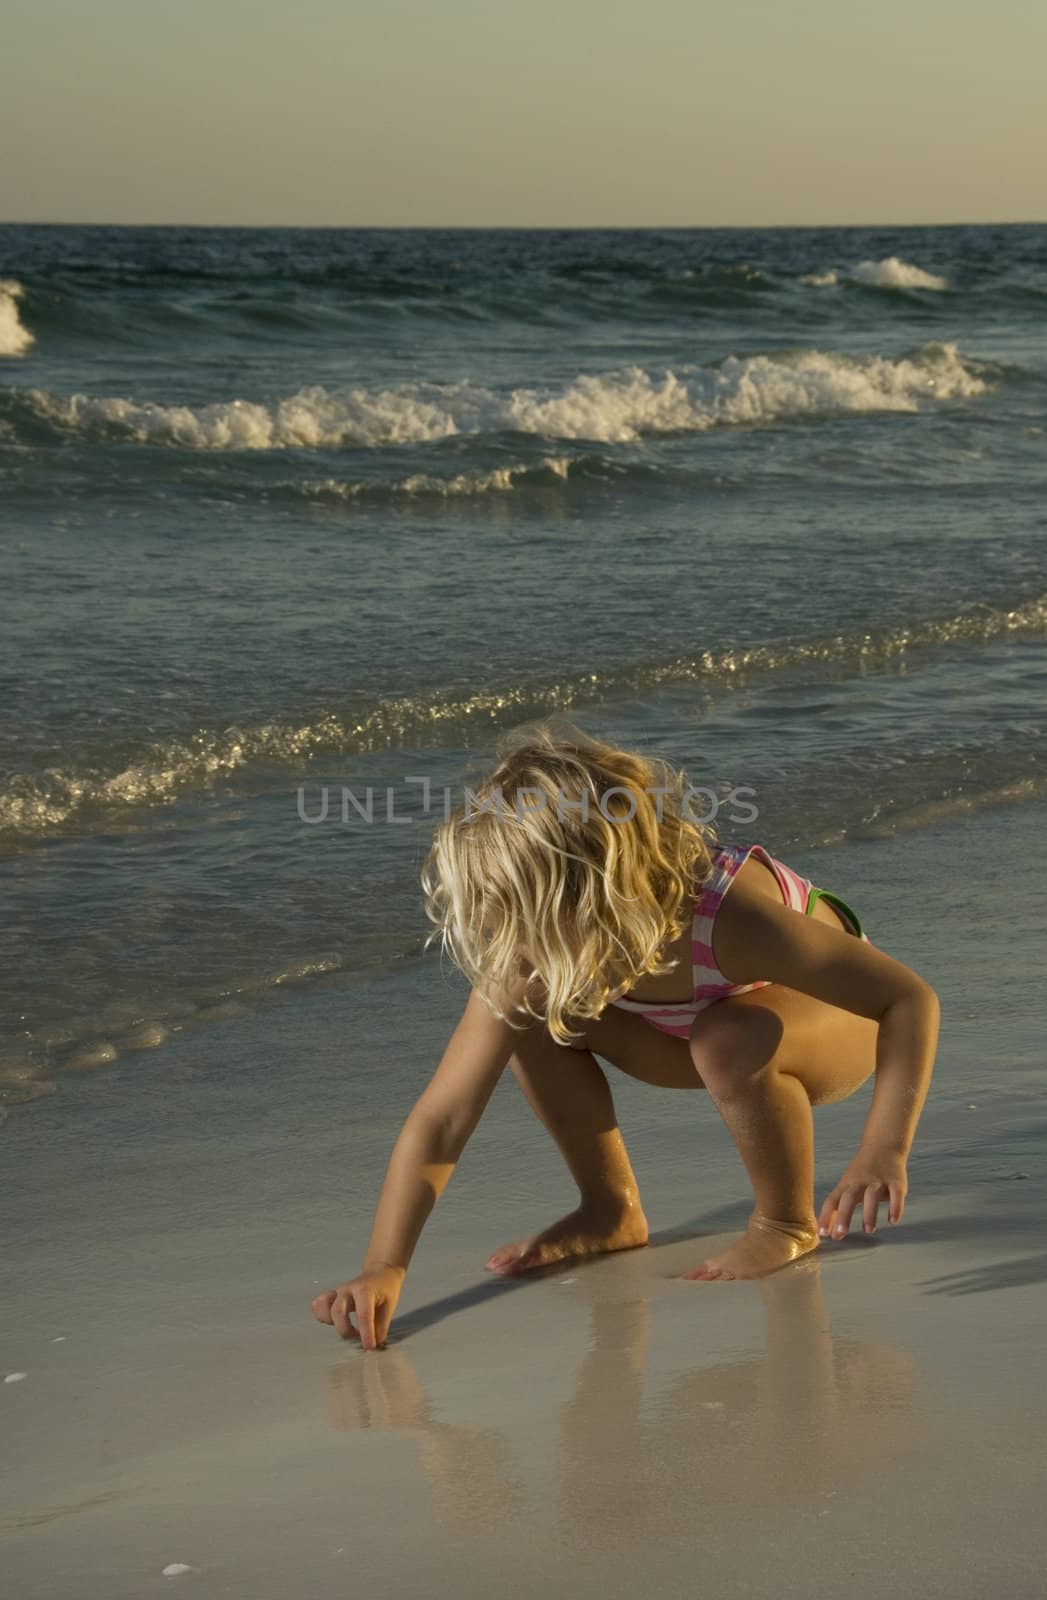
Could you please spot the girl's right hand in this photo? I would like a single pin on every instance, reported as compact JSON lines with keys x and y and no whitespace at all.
{"x":372,"y":1297}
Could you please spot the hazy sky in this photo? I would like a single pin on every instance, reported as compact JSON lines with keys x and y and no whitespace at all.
{"x":523,"y":112}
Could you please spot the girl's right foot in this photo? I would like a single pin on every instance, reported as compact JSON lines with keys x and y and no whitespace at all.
{"x":589,"y":1231}
{"x":763,"y":1248}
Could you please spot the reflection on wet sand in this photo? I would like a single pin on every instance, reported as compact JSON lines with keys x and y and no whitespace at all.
{"x":467,"y":1468}
{"x":809,"y":1417}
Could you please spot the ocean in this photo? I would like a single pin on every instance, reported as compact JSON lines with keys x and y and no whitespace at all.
{"x":293,"y":513}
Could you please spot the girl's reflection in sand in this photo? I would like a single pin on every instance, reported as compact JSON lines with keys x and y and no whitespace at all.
{"x":468,"y":1469}
{"x":789,"y":1428}
{"x":808,"y":1416}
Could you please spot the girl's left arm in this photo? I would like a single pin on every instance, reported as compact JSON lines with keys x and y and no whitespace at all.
{"x":758,"y":938}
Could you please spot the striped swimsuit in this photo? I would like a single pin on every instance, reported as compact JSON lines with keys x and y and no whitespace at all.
{"x":709,"y":984}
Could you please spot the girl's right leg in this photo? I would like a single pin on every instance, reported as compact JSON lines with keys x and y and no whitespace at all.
{"x":569,"y":1093}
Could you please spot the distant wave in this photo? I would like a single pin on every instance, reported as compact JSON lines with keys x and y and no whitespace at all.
{"x":890,"y":273}
{"x":613,"y":407}
{"x":304,"y":307}
{"x":14,"y":338}
{"x":125,"y":308}
{"x":545,"y":473}
{"x":35,"y":805}
{"x":593,"y":469}
{"x":713,"y":287}
{"x":743,"y":273}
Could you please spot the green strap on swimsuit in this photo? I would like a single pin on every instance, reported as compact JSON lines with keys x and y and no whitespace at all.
{"x":834,"y":900}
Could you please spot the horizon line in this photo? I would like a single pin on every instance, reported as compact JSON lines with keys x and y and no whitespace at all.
{"x":530,"y":227}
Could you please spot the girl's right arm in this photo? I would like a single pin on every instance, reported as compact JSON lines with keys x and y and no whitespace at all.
{"x":426,"y":1152}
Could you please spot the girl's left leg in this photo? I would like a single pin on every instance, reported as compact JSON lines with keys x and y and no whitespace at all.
{"x":569,"y":1093}
{"x":766,"y":1058}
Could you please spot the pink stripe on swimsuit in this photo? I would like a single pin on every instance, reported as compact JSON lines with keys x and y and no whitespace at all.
{"x":709,"y":983}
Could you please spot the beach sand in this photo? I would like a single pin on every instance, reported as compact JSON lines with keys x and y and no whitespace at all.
{"x":867,"y":1423}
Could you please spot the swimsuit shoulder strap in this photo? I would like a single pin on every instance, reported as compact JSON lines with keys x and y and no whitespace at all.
{"x":728,"y":861}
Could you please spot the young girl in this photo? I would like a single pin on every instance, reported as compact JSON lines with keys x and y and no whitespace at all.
{"x":594,"y":917}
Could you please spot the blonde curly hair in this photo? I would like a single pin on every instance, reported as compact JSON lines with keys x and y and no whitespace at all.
{"x":569,"y":863}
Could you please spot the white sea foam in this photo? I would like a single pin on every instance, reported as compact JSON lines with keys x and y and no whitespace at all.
{"x":890,"y":273}
{"x":14,"y":338}
{"x":313,"y":418}
{"x":611,"y":407}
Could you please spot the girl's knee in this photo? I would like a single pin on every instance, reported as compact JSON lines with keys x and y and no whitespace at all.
{"x":730,"y":1046}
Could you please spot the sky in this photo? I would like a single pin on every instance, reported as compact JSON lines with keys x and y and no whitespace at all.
{"x":523,"y":113}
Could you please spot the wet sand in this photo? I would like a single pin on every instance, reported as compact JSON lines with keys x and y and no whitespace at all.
{"x":869,"y":1422}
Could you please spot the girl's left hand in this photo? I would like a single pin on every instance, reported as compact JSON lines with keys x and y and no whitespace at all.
{"x":872,"y":1177}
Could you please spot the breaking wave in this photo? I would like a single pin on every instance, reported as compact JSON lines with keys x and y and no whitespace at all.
{"x":890,"y":273}
{"x":15,"y":339}
{"x":613,"y":407}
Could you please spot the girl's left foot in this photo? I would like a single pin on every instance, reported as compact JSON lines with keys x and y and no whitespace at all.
{"x":586,"y":1232}
{"x":764,"y":1247}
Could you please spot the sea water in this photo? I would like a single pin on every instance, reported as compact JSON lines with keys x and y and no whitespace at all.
{"x":285,"y":509}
